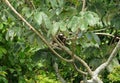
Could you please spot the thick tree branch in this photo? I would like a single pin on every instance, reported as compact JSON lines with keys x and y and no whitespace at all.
{"x":112,"y":55}
{"x":34,"y":30}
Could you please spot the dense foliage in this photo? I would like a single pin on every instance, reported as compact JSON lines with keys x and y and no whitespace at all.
{"x":91,"y":29}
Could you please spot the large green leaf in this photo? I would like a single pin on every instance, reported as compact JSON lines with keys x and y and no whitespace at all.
{"x":91,"y":18}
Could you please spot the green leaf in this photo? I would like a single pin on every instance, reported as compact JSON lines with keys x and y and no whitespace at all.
{"x":88,"y":18}
{"x":32,"y":38}
{"x":93,"y":37}
{"x":63,"y":26}
{"x":27,"y":12}
{"x":83,"y":24}
{"x":3,"y":80}
{"x":39,"y":42}
{"x":1,"y":54}
{"x":38,"y":18}
{"x":53,"y":3}
{"x":55,"y":28}
{"x":116,"y":22}
{"x":47,"y":21}
{"x":89,"y":36}
{"x":22,"y":60}
{"x":114,"y":76}
{"x":1,"y":26}
{"x":11,"y":70}
{"x":96,"y":38}
{"x":10,"y":34}
{"x":92,"y":18}
{"x":3,"y":73}
{"x":58,"y":11}
{"x":73,"y":24}
{"x":61,"y":3}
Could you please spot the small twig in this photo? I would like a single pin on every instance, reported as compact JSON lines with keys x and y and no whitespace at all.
{"x":33,"y":4}
{"x":107,"y":34}
{"x":80,"y":71}
{"x":100,"y":30}
{"x":83,"y":5}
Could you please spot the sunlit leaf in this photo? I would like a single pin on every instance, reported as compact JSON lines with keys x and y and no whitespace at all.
{"x":74,"y":23}
{"x":10,"y":34}
{"x":61,"y":3}
{"x":47,"y":21}
{"x":83,"y":24}
{"x":27,"y":12}
{"x":3,"y":73}
{"x":63,"y":26}
{"x":53,"y":3}
{"x":58,"y":11}
{"x":22,"y":60}
{"x":115,"y":74}
{"x":38,"y":18}
{"x":1,"y":25}
{"x":55,"y":28}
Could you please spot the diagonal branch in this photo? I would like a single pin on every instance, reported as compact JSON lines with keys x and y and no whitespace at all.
{"x":34,"y":30}
{"x":80,"y":71}
{"x":112,"y":55}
